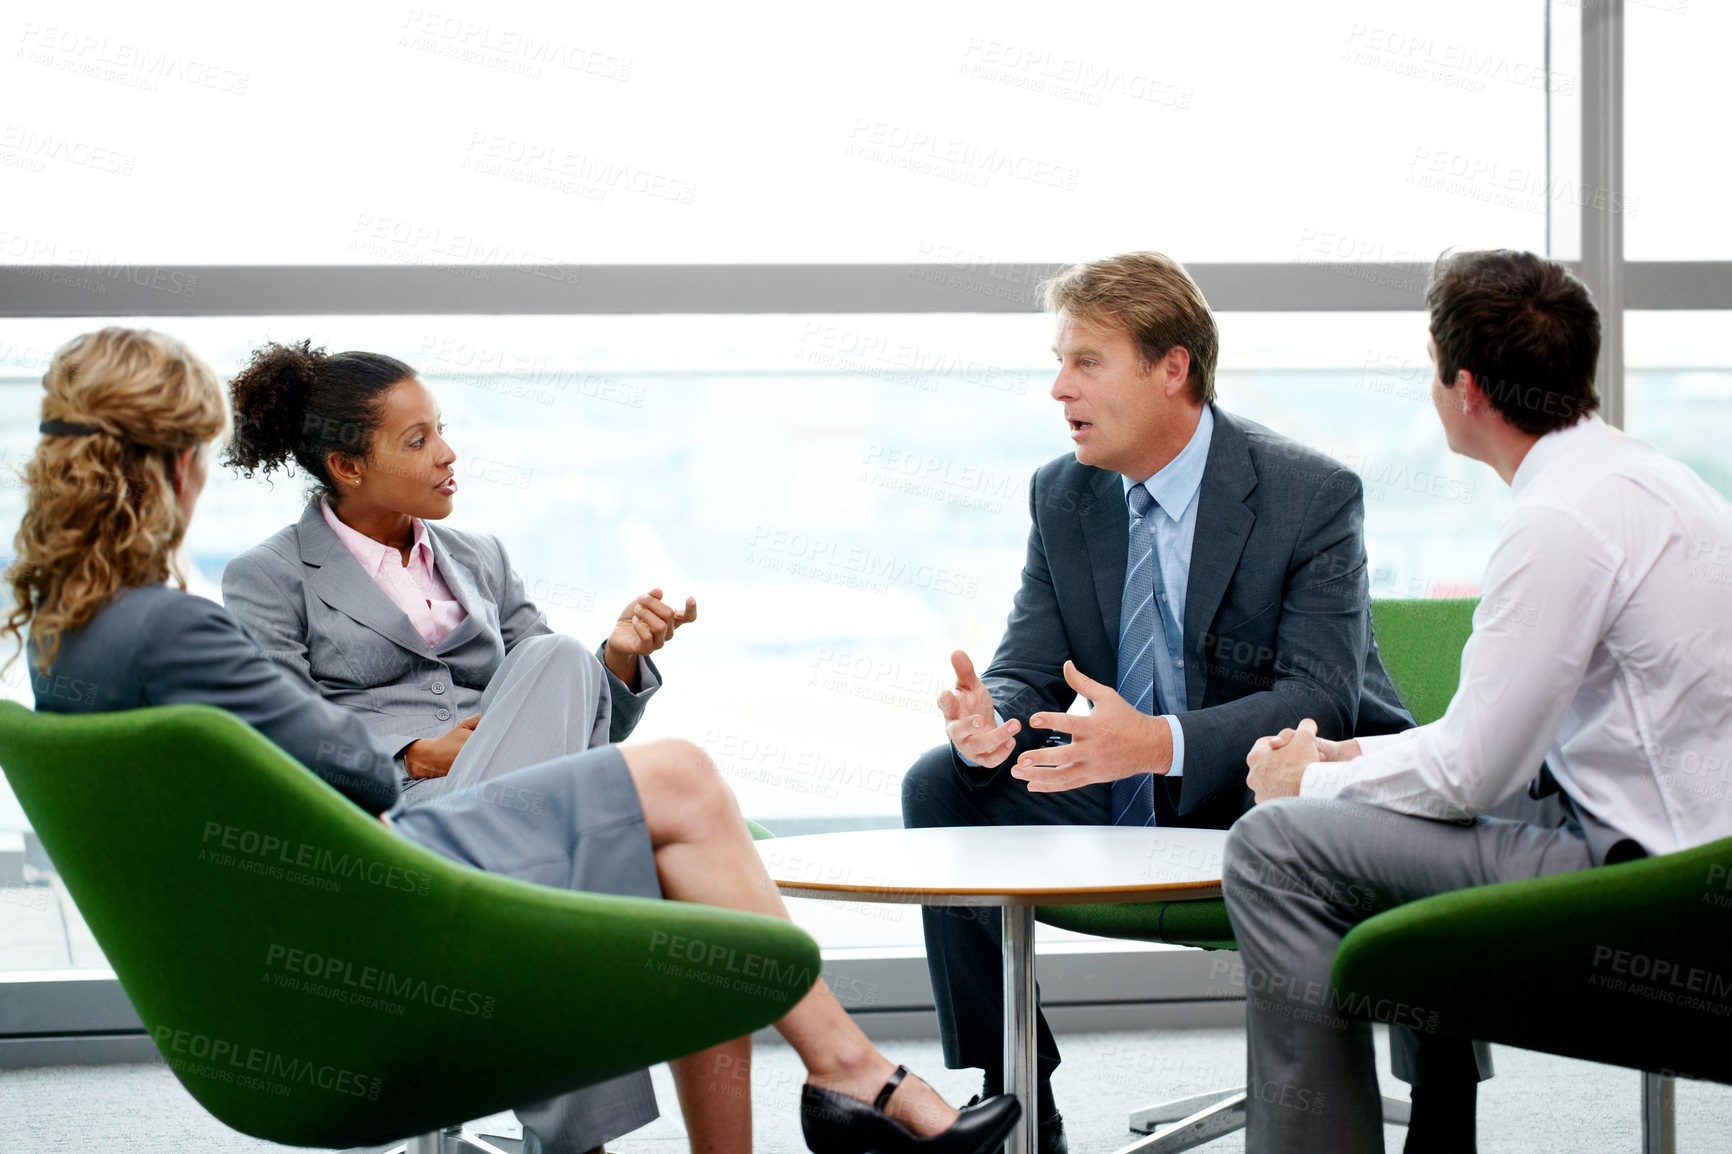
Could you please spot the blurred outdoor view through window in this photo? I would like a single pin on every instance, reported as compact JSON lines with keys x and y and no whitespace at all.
{"x":846,"y":496}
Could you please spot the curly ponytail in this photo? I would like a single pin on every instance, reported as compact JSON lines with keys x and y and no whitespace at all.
{"x":294,"y":403}
{"x":101,"y":513}
{"x":269,"y":397}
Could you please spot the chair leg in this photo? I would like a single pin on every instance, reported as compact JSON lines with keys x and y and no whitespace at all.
{"x":451,"y":1140}
{"x":1223,"y":1116}
{"x":1152,"y":1118}
{"x":1396,"y":1111}
{"x":1659,"y":1114}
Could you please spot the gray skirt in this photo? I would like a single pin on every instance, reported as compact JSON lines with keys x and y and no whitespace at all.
{"x":574,"y":822}
{"x":529,"y":798}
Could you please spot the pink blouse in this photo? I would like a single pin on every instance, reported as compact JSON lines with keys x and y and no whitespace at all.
{"x":415,"y":587}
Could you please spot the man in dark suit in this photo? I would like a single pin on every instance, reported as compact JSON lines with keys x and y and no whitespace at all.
{"x":1198,"y":578}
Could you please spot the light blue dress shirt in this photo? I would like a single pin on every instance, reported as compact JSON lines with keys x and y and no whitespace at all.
{"x":1175,"y":488}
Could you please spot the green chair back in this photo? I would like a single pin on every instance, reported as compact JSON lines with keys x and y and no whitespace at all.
{"x":1627,"y":964}
{"x":314,"y":979}
{"x":1420,"y":642}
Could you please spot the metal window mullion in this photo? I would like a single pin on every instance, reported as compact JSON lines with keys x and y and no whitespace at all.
{"x":1602,"y":265}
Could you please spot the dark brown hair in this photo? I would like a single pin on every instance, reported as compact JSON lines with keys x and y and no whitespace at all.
{"x":295,"y":402}
{"x":1524,"y":327}
{"x":1149,"y":296}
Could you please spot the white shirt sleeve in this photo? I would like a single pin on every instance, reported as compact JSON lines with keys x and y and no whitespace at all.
{"x":1543,"y":611}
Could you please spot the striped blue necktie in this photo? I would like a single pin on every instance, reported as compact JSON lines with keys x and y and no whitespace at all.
{"x":1141,"y":628}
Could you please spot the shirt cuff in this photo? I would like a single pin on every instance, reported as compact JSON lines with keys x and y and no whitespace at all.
{"x":648,"y":678}
{"x":1323,"y":778}
{"x":1375,"y":742}
{"x":1178,"y":769}
{"x":1329,"y":778}
{"x":997,"y":720}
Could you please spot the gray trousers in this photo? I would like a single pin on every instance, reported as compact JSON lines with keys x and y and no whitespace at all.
{"x":1299,"y":874}
{"x":547,"y":700}
{"x":549,"y":697}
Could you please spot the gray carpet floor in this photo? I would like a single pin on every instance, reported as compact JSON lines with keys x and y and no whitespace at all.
{"x":1536,"y":1105}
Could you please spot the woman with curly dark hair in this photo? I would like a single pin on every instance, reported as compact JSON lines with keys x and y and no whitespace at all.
{"x":127,"y":423}
{"x":373,"y":602}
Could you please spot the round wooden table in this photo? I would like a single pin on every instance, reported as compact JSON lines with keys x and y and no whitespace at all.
{"x":1016,"y":867}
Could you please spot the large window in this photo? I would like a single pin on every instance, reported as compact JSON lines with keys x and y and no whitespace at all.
{"x":470,"y":133}
{"x":845,"y":495}
{"x":1680,"y":389}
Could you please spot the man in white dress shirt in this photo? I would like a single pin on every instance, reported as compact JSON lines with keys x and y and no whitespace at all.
{"x":1602,"y":646}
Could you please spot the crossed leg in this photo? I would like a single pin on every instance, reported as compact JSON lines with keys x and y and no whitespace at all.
{"x":704,"y":854}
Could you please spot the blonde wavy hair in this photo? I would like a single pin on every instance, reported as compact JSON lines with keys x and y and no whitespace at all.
{"x":101,"y":513}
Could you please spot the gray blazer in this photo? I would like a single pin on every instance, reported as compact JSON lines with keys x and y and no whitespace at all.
{"x":1277,"y":611}
{"x":153,"y":645}
{"x":306,"y":601}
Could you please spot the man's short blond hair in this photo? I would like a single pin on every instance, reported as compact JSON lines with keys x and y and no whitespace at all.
{"x":1149,"y":296}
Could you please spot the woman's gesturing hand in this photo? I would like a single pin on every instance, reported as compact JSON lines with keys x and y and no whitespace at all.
{"x":432,"y":756}
{"x":644,"y":626}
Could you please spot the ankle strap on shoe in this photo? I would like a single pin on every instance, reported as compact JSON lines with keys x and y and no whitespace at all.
{"x":883,"y":1098}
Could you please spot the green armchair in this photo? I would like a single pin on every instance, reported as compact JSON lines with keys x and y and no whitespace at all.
{"x":1630,"y":965}
{"x":308,"y":974}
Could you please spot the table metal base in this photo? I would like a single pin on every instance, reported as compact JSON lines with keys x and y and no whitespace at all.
{"x":1019,"y":1024}
{"x":1659,"y":1114}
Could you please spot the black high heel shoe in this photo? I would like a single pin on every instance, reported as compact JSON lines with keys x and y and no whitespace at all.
{"x":838,"y":1124}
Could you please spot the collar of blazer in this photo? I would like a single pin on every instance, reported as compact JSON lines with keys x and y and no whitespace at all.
{"x":340,"y":582}
{"x":1223,"y":524}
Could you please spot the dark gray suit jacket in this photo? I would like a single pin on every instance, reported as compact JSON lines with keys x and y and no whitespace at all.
{"x":1277,"y":611}
{"x":159,"y":646}
{"x":306,"y":601}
